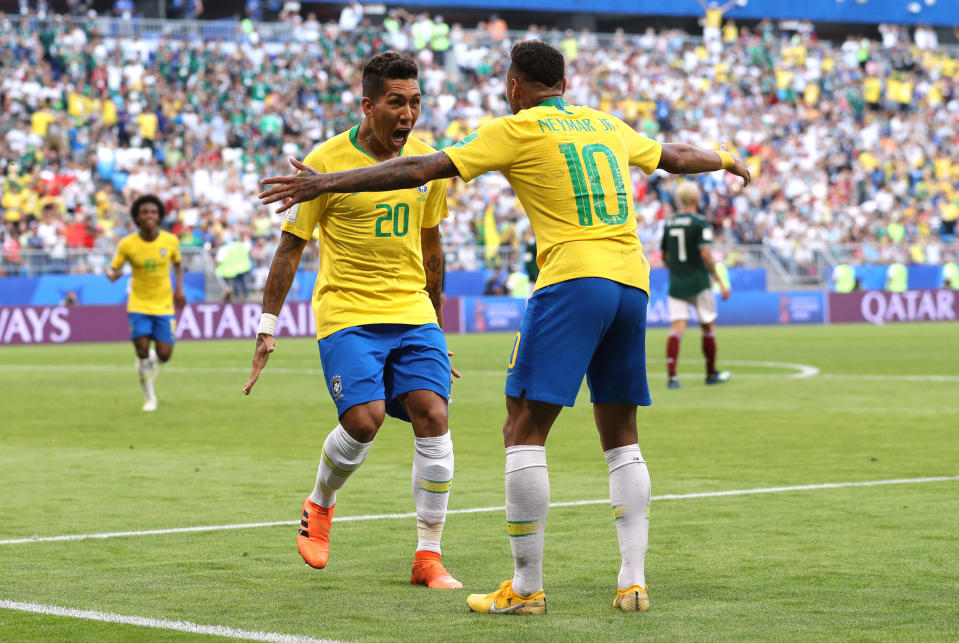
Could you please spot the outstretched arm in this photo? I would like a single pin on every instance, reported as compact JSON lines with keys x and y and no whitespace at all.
{"x":680,"y":158}
{"x":282,"y":271}
{"x":395,"y":174}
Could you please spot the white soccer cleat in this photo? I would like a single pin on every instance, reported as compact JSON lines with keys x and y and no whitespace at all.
{"x":150,"y":404}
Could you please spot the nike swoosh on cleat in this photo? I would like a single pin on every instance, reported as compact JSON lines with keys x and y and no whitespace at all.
{"x":518,"y":608}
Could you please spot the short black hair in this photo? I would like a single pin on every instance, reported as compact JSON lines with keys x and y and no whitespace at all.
{"x":537,"y":61}
{"x":389,"y":65}
{"x":146,"y":198}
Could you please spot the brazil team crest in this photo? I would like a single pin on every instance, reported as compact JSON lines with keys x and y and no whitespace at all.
{"x":422,"y":189}
{"x":336,"y":387}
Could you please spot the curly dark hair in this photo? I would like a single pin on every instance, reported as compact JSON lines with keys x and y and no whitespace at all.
{"x":389,"y":65}
{"x":535,"y":60}
{"x":146,"y":198}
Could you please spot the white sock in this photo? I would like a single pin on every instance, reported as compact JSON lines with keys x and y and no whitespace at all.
{"x":145,"y":370}
{"x":527,"y":503}
{"x":432,"y":477}
{"x":153,"y":357}
{"x":629,"y":493}
{"x":342,"y":455}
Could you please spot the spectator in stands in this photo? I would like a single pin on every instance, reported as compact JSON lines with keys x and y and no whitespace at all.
{"x":350,"y":16}
{"x":496,"y":284}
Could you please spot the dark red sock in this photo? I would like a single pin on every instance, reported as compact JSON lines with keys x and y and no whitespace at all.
{"x":709,"y":350}
{"x":672,"y":353}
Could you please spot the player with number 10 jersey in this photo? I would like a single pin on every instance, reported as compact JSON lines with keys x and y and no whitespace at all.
{"x":581,"y":212}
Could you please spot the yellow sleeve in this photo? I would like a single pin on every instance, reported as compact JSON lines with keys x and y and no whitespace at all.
{"x":436,"y":209}
{"x":120,"y":257}
{"x":488,"y":148}
{"x":302,"y":218}
{"x":175,"y":250}
{"x":644,"y":152}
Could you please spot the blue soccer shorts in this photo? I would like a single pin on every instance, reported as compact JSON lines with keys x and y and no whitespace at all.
{"x":382,"y":362}
{"x":159,"y":327}
{"x":590,"y":326}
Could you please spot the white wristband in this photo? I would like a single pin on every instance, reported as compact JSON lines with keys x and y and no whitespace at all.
{"x":267,"y":324}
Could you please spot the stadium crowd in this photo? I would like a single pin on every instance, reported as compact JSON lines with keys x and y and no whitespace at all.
{"x":851,"y":145}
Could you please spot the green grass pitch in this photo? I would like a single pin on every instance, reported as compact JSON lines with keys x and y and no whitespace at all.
{"x":866,"y":563}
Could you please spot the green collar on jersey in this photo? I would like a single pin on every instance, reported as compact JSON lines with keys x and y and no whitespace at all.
{"x":557,"y":102}
{"x":354,"y":131}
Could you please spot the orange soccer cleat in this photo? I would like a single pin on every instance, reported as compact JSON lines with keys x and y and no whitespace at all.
{"x":313,"y":541}
{"x":429,"y":571}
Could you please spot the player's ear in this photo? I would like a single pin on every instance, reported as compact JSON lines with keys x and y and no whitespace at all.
{"x":515,"y":88}
{"x":366,"y":105}
{"x":564,"y":84}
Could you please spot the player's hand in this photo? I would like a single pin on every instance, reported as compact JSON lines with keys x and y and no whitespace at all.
{"x":455,"y":372}
{"x":265,"y":344}
{"x":303,"y":186}
{"x":179,"y":298}
{"x":724,"y":291}
{"x":740,"y":169}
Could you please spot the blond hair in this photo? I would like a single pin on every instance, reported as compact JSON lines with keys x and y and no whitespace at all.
{"x":687,"y":194}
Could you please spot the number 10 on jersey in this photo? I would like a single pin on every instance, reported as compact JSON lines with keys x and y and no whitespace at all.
{"x":590,"y":197}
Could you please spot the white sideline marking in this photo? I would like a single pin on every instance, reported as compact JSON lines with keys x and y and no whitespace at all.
{"x":473,"y":510}
{"x":895,"y":378}
{"x":803,"y":371}
{"x":159,"y":623}
{"x":117,"y":368}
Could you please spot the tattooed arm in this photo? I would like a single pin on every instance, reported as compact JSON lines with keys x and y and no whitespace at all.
{"x":286,"y":260}
{"x":282,"y":271}
{"x":395,"y":174}
{"x":433,"y":266}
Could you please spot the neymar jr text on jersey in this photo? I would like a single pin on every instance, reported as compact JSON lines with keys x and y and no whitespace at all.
{"x":553,"y":124}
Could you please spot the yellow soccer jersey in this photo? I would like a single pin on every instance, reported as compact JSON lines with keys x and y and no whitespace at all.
{"x":371,"y":262}
{"x":569,"y":167}
{"x":150,"y":290}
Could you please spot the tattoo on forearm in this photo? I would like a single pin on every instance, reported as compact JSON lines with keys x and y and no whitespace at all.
{"x":397,"y":174}
{"x":278,"y":283}
{"x":434,"y":279}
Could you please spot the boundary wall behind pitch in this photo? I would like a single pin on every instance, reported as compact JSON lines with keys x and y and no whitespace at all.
{"x":21,"y":325}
